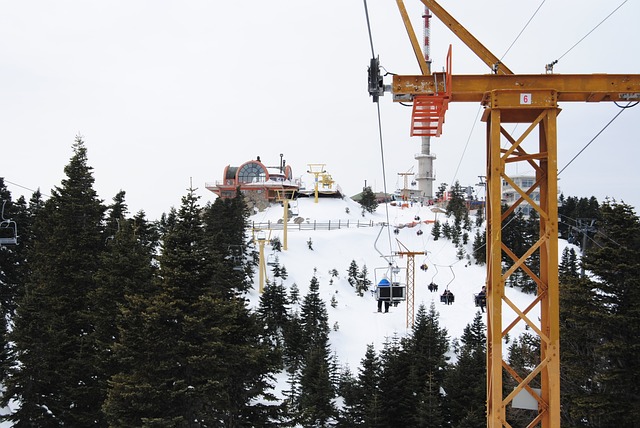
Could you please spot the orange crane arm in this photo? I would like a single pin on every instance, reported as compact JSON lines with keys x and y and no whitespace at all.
{"x":467,"y":38}
{"x":570,"y":87}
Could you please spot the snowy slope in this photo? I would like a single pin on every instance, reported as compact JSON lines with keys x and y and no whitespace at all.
{"x":358,"y":322}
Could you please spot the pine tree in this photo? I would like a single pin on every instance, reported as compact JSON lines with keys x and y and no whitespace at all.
{"x":435,"y":230}
{"x":368,"y":200}
{"x":126,"y":269}
{"x":615,"y":262}
{"x":348,"y":390}
{"x":398,"y":400}
{"x":316,"y":390}
{"x":364,"y":283}
{"x":466,"y":381}
{"x":368,"y":403}
{"x":57,"y":379}
{"x":273,"y":313}
{"x":427,"y":347}
{"x":352,"y":273}
{"x":190,"y":352}
{"x":480,"y":247}
{"x":456,"y":205}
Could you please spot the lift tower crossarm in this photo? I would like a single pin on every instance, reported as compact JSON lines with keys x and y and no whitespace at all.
{"x":467,"y":38}
{"x":569,"y":87}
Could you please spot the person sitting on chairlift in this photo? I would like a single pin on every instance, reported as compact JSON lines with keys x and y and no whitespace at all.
{"x":447,"y":297}
{"x":481,"y":298}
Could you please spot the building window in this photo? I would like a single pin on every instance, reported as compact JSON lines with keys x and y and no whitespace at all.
{"x":252,"y":173}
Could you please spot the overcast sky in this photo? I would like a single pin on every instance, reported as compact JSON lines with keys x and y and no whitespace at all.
{"x":164,"y":92}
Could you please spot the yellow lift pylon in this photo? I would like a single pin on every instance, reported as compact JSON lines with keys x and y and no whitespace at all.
{"x":316,"y":169}
{"x":411,"y":274}
{"x":261,"y":237}
{"x":285,"y":196}
{"x":531,"y":100}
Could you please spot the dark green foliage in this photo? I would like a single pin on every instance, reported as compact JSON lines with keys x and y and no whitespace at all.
{"x":57,"y":380}
{"x":315,"y":403}
{"x":191,"y":351}
{"x":364,"y":283}
{"x":456,"y":205}
{"x":466,"y":381}
{"x":352,"y":273}
{"x":368,"y":200}
{"x":479,"y":217}
{"x":615,"y":262}
{"x":273,"y":313}
{"x":568,"y":263}
{"x":225,"y":224}
{"x":571,"y":210}
{"x":441,"y":189}
{"x":435,"y":230}
{"x":368,"y":405}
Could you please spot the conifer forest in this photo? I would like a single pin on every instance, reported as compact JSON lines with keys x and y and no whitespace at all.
{"x":115,"y":320}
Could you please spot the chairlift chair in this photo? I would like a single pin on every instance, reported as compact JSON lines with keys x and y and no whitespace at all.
{"x":389,"y":288}
{"x":271,"y":260}
{"x":8,"y":232}
{"x":447,"y":296}
{"x":8,"y":229}
{"x":480,"y":301}
{"x":433,"y":286}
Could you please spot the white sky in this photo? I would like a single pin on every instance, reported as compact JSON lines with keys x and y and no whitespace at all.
{"x":165,"y":91}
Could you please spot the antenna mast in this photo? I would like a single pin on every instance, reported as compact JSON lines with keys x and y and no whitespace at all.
{"x":425,"y":176}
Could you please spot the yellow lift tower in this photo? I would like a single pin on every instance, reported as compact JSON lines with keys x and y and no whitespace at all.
{"x":261,"y":238}
{"x":285,"y":196}
{"x":526,"y":99}
{"x":316,"y":169}
{"x":411,"y":275}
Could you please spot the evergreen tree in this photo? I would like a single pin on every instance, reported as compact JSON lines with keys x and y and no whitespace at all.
{"x":126,"y":269}
{"x":368,"y":404}
{"x":427,"y":346}
{"x":368,"y":200}
{"x":57,"y":380}
{"x":190,"y":354}
{"x":316,"y":390}
{"x":348,"y":390}
{"x":435,"y":230}
{"x":352,"y":273}
{"x":442,"y":188}
{"x":456,"y":205}
{"x":364,"y":283}
{"x":225,"y":224}
{"x":273,"y":313}
{"x":398,"y":399}
{"x":466,"y":381}
{"x":615,"y":262}
{"x":479,"y":217}
{"x":568,"y":263}
{"x":581,"y":363}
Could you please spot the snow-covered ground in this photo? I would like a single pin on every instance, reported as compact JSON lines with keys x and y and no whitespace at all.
{"x":357,"y":320}
{"x":356,"y":317}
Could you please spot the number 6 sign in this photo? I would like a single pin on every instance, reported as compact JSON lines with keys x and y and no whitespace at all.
{"x":525,"y":98}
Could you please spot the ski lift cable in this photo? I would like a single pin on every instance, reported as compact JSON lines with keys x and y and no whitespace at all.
{"x":522,"y":31}
{"x":384,"y":178}
{"x":586,"y":35}
{"x":473,"y":126}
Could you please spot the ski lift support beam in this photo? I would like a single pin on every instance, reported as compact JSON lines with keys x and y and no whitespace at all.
{"x":411,"y":273}
{"x":285,"y":196}
{"x":533,"y":101}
